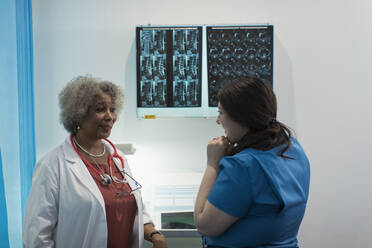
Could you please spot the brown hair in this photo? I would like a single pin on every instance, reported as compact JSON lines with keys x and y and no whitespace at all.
{"x":252,"y":103}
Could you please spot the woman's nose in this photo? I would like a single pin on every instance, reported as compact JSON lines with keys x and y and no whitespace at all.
{"x":109,"y":115}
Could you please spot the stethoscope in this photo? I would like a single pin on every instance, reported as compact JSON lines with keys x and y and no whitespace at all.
{"x":105,"y":178}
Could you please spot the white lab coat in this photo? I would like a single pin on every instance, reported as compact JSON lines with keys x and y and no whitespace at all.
{"x":65,"y":207}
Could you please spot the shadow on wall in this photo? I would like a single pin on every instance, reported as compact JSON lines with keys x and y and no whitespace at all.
{"x":284,"y":85}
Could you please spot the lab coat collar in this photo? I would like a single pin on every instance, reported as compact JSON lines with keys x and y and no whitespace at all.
{"x":80,"y":170}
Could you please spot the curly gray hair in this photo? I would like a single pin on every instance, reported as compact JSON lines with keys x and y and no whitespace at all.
{"x":78,"y":95}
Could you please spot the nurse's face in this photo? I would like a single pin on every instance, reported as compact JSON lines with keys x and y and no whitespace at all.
{"x":233,"y":130}
{"x":100,"y":118}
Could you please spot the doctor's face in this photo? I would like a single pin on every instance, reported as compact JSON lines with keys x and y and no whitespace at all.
{"x":233,"y":130}
{"x":101,"y":116}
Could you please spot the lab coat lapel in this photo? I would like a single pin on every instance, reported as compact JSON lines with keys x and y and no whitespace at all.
{"x":78,"y":167}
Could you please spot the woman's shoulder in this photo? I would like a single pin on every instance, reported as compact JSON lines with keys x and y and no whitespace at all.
{"x":254,"y":160}
{"x":295,"y":149}
{"x":270,"y":160}
{"x":243,"y":157}
{"x":243,"y":167}
{"x":242,"y":162}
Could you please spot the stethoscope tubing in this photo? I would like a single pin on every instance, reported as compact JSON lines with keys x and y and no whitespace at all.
{"x":114,"y":155}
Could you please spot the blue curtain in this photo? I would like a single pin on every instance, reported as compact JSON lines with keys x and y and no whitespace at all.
{"x":25,"y":96}
{"x":4,"y":236}
{"x":17,"y":135}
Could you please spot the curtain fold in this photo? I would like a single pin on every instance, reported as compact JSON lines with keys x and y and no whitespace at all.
{"x":25,"y":97}
{"x":4,"y":234}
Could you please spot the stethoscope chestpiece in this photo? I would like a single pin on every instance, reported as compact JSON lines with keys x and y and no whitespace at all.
{"x":106,"y":179}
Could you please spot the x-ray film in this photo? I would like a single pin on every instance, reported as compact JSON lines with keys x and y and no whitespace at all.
{"x":238,"y":51}
{"x":152,"y":68}
{"x":169,"y":66}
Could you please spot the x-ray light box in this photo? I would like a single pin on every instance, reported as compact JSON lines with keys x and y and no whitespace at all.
{"x":181,"y":68}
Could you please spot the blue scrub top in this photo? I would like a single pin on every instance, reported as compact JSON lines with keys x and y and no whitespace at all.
{"x":266,"y":192}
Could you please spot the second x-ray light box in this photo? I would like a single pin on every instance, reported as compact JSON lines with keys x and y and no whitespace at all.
{"x":181,"y":68}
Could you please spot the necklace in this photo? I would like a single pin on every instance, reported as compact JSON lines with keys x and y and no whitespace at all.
{"x":106,"y":179}
{"x":87,"y":152}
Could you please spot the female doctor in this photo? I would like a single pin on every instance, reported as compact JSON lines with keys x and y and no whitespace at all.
{"x":83,"y":193}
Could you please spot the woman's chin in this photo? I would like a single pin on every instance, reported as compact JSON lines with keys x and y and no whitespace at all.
{"x":104,"y":135}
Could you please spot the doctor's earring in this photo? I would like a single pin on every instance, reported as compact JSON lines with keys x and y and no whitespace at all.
{"x":77,"y":128}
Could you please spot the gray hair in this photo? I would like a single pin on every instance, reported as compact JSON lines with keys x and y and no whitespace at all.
{"x":78,"y":95}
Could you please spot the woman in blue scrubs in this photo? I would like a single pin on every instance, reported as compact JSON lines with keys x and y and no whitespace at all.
{"x":256,"y":183}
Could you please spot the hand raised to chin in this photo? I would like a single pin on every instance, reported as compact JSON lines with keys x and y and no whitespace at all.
{"x":217,"y":148}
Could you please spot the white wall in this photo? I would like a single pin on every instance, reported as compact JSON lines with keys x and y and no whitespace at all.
{"x":322,"y":79}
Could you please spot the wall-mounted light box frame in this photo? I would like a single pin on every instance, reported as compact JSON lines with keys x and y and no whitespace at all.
{"x":181,"y":68}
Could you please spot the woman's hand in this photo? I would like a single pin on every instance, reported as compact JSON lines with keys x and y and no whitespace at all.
{"x":217,"y":148}
{"x":158,"y":241}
